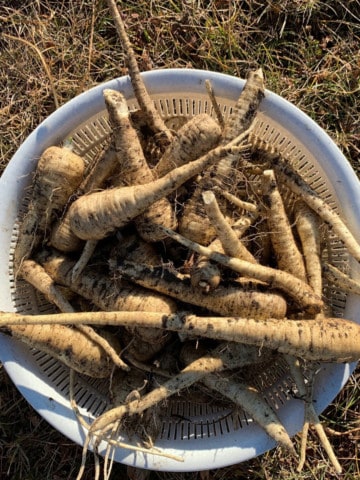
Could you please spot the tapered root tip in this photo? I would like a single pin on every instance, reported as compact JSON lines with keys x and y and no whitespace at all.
{"x":116,"y":102}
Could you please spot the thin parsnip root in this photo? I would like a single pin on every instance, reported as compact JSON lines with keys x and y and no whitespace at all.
{"x":290,"y":178}
{"x":323,"y":340}
{"x":252,"y":401}
{"x":154,"y":119}
{"x":231,"y":244}
{"x":308,"y":225}
{"x":206,"y":274}
{"x":288,"y":256}
{"x":340,"y":279}
{"x":311,"y":417}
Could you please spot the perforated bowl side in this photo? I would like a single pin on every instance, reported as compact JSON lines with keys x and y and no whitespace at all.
{"x":204,"y":437}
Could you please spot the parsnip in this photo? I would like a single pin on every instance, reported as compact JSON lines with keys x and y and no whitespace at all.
{"x":293,"y":180}
{"x":58,"y":174}
{"x":36,"y":276}
{"x":134,"y":169}
{"x":325,"y":340}
{"x":154,"y":120}
{"x":222,"y":357}
{"x":70,"y":346}
{"x":109,"y":295}
{"x":299,"y":291}
{"x":245,"y":396}
{"x":307,"y":225}
{"x":288,"y":256}
{"x":231,"y":244}
{"x":311,"y":416}
{"x":230,"y":299}
{"x":340,"y":279}
{"x":193,"y":140}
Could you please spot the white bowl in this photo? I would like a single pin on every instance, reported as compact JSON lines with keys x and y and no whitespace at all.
{"x":209,"y":439}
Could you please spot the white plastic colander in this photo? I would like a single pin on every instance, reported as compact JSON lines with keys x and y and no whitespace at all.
{"x":205,"y":436}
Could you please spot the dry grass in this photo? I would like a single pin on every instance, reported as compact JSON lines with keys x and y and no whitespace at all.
{"x":51,"y":51}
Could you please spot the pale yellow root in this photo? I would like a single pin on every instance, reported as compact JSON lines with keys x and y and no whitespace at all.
{"x":292,"y":180}
{"x":323,"y":340}
{"x":58,"y":173}
{"x":307,"y":225}
{"x":85,"y":256}
{"x":237,"y":202}
{"x":107,"y":294}
{"x":253,"y":403}
{"x":214,"y":103}
{"x":133,"y":167}
{"x":68,"y":345}
{"x":205,"y":274}
{"x":243,"y":395}
{"x":194,"y":224}
{"x":288,"y":256}
{"x":232,"y":245}
{"x":195,"y":138}
{"x":111,"y":441}
{"x":300,"y":292}
{"x":245,"y":108}
{"x":340,"y":279}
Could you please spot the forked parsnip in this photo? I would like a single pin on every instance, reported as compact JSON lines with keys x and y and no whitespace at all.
{"x":334,"y":340}
{"x":245,"y":396}
{"x":223,"y":357}
{"x":205,"y":274}
{"x":310,"y":417}
{"x":231,"y":244}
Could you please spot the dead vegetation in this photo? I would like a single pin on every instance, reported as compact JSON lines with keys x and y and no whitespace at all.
{"x":208,"y":40}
